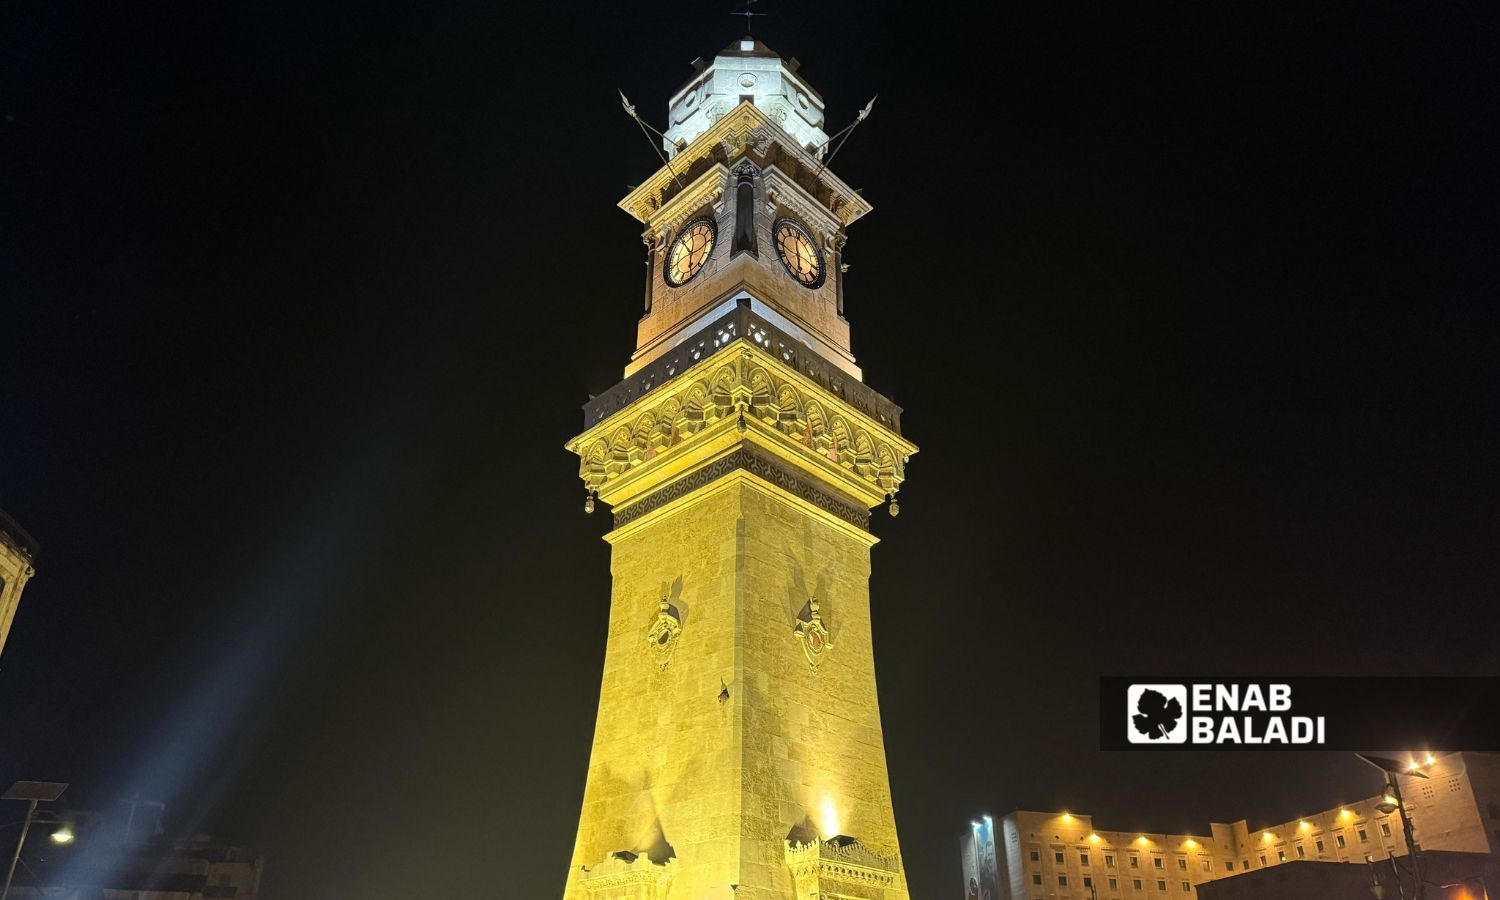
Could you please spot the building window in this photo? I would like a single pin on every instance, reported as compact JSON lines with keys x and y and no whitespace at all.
{"x":1208,"y":865}
{"x":1385,"y":828}
{"x":1058,"y":857}
{"x":1301,"y":851}
{"x":1135,"y":862}
{"x":1083,"y":858}
{"x":1263,"y":859}
{"x":1109,"y":859}
{"x":1161,"y":884}
{"x":1036,"y":878}
{"x":1339,"y":839}
{"x":1229,"y":865}
{"x":1181,"y":863}
{"x":1062,"y":881}
{"x":1088,"y":882}
{"x":1157,"y":861}
{"x":1364,"y":838}
{"x":1036,"y":856}
{"x":1245,"y":864}
{"x":1114,"y":884}
{"x":1281,"y":856}
{"x":1320,"y":846}
{"x":1136,"y":882}
{"x":1187,"y":886}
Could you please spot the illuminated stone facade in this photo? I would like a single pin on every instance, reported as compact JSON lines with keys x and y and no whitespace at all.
{"x":1043,"y":856}
{"x":17,"y":550}
{"x":738,"y":749}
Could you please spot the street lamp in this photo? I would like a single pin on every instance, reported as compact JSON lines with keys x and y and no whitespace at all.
{"x":1391,"y":802}
{"x":33,"y":792}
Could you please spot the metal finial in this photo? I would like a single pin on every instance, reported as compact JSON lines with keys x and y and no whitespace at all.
{"x":748,"y":13}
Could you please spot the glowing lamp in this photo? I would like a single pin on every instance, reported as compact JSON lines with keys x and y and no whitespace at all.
{"x":1303,"y":825}
{"x":1094,"y":838}
{"x":63,"y":835}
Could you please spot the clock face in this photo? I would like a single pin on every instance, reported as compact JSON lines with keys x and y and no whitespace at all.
{"x":690,"y":251}
{"x":798,"y":253}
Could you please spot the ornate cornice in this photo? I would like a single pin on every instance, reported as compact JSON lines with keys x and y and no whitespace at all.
{"x":742,"y":322}
{"x":814,"y":865}
{"x":744,"y":129}
{"x":742,"y":393}
{"x":764,"y":469}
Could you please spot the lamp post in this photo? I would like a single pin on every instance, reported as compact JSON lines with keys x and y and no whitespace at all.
{"x":33,"y":792}
{"x":1392,"y":802}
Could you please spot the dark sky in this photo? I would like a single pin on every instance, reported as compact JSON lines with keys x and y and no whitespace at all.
{"x":1192,"y":309}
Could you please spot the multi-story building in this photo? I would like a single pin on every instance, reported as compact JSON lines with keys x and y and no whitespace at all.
{"x":1049,"y":856}
{"x":125,"y":853}
{"x":17,"y":554}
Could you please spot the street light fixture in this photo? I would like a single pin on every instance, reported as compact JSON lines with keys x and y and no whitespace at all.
{"x":33,"y":792}
{"x":1391,"y":802}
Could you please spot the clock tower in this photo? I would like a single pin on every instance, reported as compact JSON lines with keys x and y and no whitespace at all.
{"x":738,"y":749}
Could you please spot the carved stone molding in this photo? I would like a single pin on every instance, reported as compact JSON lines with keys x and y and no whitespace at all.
{"x":762,"y":468}
{"x":628,"y":875}
{"x":841,"y":867}
{"x":738,"y":131}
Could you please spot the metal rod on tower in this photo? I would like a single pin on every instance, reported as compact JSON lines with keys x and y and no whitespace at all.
{"x":863,"y":114}
{"x":647,"y":130}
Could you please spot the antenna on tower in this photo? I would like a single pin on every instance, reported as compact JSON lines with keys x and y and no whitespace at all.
{"x":748,"y":13}
{"x":863,"y":114}
{"x":648,"y":131}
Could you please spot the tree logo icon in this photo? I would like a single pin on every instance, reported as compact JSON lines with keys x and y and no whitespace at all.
{"x":1155,"y":713}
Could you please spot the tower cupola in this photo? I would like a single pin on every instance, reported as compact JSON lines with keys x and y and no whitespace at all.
{"x":746,"y":70}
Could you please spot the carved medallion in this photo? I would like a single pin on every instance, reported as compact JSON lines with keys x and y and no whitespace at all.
{"x":813,"y":634}
{"x":661,"y":638}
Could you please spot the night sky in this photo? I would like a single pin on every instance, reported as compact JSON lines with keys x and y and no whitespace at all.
{"x":1191,"y":307}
